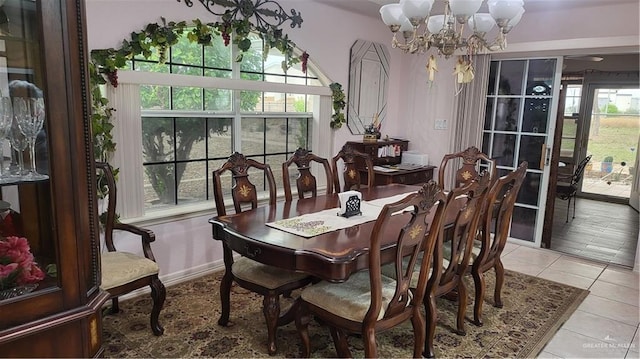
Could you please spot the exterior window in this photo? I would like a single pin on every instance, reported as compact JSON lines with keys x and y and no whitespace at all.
{"x":188,"y":132}
{"x":570,"y":121}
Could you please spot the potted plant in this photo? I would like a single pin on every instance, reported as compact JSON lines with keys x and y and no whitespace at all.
{"x":607,"y":164}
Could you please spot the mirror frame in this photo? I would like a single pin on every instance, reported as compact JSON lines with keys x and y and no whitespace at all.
{"x":368,"y":85}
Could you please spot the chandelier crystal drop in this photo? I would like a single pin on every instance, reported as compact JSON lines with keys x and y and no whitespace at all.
{"x":461,"y":27}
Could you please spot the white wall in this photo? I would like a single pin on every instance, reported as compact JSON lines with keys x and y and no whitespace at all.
{"x":327,"y":34}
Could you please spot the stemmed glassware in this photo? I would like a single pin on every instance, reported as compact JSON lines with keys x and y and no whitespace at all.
{"x":6,"y":119}
{"x":19,"y":143}
{"x":29,"y":114}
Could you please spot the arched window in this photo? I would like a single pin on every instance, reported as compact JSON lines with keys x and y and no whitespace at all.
{"x":196,"y":109}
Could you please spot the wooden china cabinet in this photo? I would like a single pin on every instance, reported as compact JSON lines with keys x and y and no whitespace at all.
{"x":43,"y":42}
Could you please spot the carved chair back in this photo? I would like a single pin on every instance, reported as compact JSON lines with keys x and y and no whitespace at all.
{"x":243,"y":191}
{"x":351,"y":173}
{"x":471,"y":158}
{"x":306,"y":182}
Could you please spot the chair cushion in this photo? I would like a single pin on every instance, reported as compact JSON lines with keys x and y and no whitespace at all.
{"x":350,"y":299}
{"x":264,"y":275}
{"x":120,"y":268}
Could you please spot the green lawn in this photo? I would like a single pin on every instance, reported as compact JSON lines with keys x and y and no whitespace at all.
{"x":617,"y":137}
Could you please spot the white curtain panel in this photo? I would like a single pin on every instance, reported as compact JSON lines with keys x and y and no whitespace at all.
{"x":470,"y":111}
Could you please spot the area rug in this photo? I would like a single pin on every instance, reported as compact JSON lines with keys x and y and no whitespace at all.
{"x":534,"y":309}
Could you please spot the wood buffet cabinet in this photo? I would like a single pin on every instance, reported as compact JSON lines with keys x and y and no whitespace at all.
{"x":44,"y":43}
{"x":403,"y":176}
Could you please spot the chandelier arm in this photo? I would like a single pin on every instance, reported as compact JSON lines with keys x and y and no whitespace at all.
{"x":267,"y":13}
{"x":209,"y":5}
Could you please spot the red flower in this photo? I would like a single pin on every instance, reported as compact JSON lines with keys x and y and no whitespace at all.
{"x":17,"y":265}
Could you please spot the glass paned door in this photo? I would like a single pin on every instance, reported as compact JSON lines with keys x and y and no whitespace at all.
{"x":613,"y":130}
{"x":520,"y":118}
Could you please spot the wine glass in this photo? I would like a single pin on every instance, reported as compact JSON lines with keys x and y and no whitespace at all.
{"x":6,"y":119}
{"x":18,"y":141}
{"x":29,"y":113}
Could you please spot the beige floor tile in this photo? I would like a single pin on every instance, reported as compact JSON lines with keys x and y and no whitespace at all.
{"x":579,"y":266}
{"x":615,"y":292}
{"x":611,"y":309}
{"x":522,"y":266}
{"x":540,"y":257}
{"x":621,"y":276}
{"x":569,"y":344}
{"x":509,"y":247}
{"x":566,"y":278}
{"x":601,"y":328}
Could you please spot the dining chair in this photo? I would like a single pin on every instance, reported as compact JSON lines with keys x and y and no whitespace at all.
{"x":567,"y":186}
{"x":494,"y":228}
{"x":123,"y":272}
{"x":471,"y":159}
{"x":305,"y":182}
{"x":452,"y":254}
{"x":368,"y":302}
{"x":268,"y":281}
{"x":352,"y":160}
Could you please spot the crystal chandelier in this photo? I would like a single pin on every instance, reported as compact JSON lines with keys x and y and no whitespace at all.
{"x":446,"y":32}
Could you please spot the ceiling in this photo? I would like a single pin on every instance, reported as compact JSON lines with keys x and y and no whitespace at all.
{"x":372,"y":7}
{"x":609,"y":63}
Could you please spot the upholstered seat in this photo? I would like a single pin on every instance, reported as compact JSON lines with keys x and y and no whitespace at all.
{"x":119,"y":268}
{"x":350,"y":299}
{"x":264,"y":275}
{"x":123,"y":272}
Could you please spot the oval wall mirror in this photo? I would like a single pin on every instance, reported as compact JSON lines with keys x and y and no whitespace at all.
{"x":368,"y":82}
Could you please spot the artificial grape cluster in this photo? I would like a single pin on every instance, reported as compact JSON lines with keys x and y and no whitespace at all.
{"x":113,"y":77}
{"x":226,"y":37}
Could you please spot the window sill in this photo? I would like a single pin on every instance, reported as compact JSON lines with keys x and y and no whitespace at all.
{"x":195,"y":210}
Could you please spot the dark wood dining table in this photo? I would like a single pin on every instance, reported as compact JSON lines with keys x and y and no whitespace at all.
{"x":331,"y":256}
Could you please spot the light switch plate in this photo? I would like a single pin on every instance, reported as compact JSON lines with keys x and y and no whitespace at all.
{"x":440,"y":124}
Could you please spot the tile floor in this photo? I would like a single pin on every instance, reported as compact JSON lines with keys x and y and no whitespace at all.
{"x":601,"y":231}
{"x":607,"y":323}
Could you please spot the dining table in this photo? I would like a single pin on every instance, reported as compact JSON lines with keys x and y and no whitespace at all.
{"x":331,"y":256}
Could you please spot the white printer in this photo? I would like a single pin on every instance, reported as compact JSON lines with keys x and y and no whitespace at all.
{"x":415,"y":158}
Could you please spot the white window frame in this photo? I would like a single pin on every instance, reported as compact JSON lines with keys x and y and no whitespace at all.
{"x":125,"y":99}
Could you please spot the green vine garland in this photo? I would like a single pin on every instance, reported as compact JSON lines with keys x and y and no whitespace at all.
{"x":338,"y":97}
{"x":105,"y":63}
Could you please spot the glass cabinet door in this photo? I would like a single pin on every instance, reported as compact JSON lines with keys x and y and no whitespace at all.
{"x":28,"y":260}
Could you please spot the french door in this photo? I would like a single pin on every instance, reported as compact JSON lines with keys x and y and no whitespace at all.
{"x":610,"y":134}
{"x":519,"y":124}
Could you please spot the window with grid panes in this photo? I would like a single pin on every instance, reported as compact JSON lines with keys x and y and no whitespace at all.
{"x":187,"y":132}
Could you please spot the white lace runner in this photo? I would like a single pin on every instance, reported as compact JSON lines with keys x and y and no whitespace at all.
{"x":314,"y":224}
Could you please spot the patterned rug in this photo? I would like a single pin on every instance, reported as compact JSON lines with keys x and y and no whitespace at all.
{"x":533,"y":311}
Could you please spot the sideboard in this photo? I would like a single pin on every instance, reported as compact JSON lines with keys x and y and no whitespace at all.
{"x":393,"y":171}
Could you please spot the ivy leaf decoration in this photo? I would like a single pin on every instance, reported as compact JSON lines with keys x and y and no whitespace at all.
{"x":338,"y":97}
